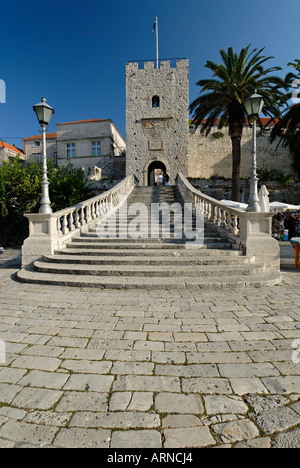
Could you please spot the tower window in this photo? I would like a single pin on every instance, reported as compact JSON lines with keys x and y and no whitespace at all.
{"x":155,"y":101}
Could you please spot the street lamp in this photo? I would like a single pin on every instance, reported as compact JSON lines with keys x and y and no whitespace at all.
{"x":44,"y":114}
{"x":254,"y":105}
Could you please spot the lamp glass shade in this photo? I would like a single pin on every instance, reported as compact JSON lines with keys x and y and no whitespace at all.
{"x":254,"y":105}
{"x":43,"y":112}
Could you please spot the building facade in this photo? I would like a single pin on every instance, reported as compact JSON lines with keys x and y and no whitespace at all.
{"x":32,"y":147}
{"x":86,"y":144}
{"x":157,"y":119}
{"x":9,"y":152}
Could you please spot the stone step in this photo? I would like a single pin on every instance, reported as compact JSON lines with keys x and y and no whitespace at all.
{"x":165,"y":238}
{"x":191,"y":254}
{"x":120,"y":245}
{"x":150,"y":271}
{"x":144,"y":260}
{"x":269,"y":278}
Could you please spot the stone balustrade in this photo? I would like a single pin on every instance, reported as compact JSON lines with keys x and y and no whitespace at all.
{"x":250,"y":232}
{"x":50,"y":232}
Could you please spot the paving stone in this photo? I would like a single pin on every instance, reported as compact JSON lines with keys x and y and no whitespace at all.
{"x":204,"y":370}
{"x":218,"y":404}
{"x":136,"y":368}
{"x":83,"y":438}
{"x":289,"y":439}
{"x":122,"y":420}
{"x":28,"y":433}
{"x":36,"y":398}
{"x":36,"y":362}
{"x":11,"y":375}
{"x":82,"y":401}
{"x":148,"y":439}
{"x":119,"y":401}
{"x":146,"y":383}
{"x":89,"y":382}
{"x":181,"y":420}
{"x":218,"y":358}
{"x":262,"y":443}
{"x":282,"y":385}
{"x":261,"y":404}
{"x":190,"y":437}
{"x":178,"y":403}
{"x":236,"y":431}
{"x":276,"y":420}
{"x":243,"y":386}
{"x":248,"y":370}
{"x":48,"y":418}
{"x":87,"y":367}
{"x":167,"y":357}
{"x":296,"y":407}
{"x":52,"y":380}
{"x":129,"y":356}
{"x":8,"y":392}
{"x":141,"y":401}
{"x":206,"y":386}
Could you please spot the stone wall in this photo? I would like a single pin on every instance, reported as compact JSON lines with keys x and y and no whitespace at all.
{"x":210,"y":156}
{"x":157,"y":133}
{"x":221,"y":189}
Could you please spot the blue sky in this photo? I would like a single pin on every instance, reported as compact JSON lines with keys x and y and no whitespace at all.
{"x":73,"y":52}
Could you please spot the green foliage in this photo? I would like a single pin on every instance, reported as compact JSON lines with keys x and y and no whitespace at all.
{"x":273,"y":174}
{"x":67,"y":186}
{"x":223,"y":95}
{"x":19,"y":188}
{"x":217,"y":135}
{"x":20,"y":192}
{"x":287,"y":129}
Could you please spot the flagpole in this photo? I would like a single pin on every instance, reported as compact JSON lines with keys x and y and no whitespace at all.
{"x":156,"y":43}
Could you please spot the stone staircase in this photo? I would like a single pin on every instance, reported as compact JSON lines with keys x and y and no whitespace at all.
{"x":148,"y":263}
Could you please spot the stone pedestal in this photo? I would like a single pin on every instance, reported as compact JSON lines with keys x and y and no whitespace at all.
{"x":256,"y":239}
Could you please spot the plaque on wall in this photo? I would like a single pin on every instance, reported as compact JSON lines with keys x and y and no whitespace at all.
{"x":156,"y":145}
{"x":150,"y":123}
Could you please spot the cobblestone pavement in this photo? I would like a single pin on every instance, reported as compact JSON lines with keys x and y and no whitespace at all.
{"x":172,"y":369}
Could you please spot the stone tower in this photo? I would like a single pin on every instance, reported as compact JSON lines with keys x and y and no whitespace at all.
{"x":157,"y":120}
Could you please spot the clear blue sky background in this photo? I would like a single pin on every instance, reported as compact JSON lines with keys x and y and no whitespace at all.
{"x":73,"y":52}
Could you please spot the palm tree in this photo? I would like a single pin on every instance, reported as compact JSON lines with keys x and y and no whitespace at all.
{"x":223,"y":96}
{"x":288,"y":127}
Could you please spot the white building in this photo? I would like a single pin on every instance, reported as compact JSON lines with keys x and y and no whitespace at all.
{"x":9,"y":152}
{"x":32,"y":147}
{"x":85,"y":143}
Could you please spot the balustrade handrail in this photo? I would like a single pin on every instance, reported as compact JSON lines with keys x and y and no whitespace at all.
{"x":93,"y":199}
{"x":83,"y":213}
{"x":221,"y":215}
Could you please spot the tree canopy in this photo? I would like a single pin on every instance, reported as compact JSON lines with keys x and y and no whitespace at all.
{"x":222,"y":97}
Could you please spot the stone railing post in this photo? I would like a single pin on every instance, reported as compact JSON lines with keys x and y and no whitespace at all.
{"x":256,"y":238}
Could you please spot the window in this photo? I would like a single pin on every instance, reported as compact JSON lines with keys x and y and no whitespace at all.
{"x":70,"y":150}
{"x":36,"y":143}
{"x":155,"y":101}
{"x":96,"y":148}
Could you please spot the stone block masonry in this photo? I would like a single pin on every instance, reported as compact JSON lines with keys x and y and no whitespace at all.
{"x":157,"y":103}
{"x":210,"y":156}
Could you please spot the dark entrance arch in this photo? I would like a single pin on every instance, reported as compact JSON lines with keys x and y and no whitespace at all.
{"x":152,"y":171}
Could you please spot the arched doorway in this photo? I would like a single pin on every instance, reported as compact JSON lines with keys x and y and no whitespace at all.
{"x":154,"y":169}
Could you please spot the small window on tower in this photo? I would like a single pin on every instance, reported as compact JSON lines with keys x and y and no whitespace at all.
{"x":155,"y":101}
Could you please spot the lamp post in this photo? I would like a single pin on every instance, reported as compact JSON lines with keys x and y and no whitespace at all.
{"x":44,"y":114}
{"x":254,"y":105}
